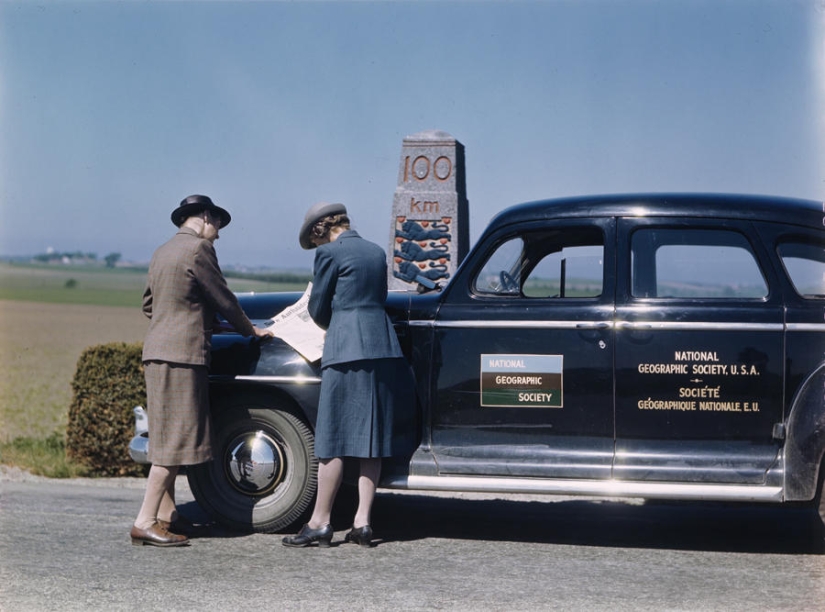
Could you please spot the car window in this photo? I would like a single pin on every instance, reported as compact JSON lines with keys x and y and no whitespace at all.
{"x":694,"y":263}
{"x":805,"y":264}
{"x":563,"y":263}
{"x":495,"y":278}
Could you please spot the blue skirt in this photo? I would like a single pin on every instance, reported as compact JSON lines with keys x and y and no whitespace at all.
{"x":366,"y":409}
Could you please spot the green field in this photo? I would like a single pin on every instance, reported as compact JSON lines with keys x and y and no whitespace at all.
{"x":97,"y":285}
{"x":48,"y":316}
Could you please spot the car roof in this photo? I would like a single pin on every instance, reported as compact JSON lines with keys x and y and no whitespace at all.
{"x":708,"y":205}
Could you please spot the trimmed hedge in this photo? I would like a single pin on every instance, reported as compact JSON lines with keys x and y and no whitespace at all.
{"x":107,"y":385}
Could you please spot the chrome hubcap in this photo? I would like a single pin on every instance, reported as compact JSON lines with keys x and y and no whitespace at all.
{"x":254,"y":463}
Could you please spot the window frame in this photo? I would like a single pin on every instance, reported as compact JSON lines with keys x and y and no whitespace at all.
{"x":523,"y":265}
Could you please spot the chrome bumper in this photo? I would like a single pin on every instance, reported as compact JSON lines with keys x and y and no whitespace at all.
{"x":139,"y":446}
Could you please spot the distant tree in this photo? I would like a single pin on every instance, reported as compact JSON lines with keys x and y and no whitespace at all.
{"x":111,"y":259}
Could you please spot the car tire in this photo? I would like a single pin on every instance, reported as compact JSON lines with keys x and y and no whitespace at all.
{"x":263,"y":475}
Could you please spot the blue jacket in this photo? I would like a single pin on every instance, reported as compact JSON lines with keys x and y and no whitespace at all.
{"x":349,"y":291}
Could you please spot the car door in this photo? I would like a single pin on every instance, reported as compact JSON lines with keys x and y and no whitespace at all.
{"x":522,"y":361}
{"x":699,"y":352}
{"x":801,"y":253}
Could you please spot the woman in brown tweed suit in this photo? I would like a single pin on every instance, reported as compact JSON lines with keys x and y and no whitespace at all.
{"x":184,"y":291}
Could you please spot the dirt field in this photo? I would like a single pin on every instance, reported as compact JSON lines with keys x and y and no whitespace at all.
{"x":39,"y":347}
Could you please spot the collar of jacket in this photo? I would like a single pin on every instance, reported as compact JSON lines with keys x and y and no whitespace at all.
{"x":350,"y":233}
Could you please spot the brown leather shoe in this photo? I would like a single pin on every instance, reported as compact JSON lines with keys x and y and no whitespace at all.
{"x":156,"y":535}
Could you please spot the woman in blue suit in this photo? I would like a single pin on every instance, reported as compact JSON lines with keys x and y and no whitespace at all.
{"x":366,"y":404}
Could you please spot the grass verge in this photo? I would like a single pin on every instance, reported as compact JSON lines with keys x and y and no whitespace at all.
{"x":42,"y":457}
{"x":48,"y":316}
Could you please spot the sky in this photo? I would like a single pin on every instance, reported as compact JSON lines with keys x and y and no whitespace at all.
{"x":112,"y":112}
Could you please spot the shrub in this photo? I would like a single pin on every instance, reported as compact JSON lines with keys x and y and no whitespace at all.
{"x":107,"y":385}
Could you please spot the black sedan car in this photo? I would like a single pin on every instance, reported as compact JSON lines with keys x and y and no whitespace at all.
{"x":653,"y":345}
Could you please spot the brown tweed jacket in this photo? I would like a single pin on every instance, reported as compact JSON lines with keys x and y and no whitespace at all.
{"x":185,"y":290}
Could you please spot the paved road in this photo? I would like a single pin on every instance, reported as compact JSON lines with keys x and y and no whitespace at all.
{"x":64,"y":546}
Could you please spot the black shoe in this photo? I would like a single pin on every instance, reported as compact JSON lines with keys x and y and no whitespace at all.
{"x":307,"y":536}
{"x":360,"y":535}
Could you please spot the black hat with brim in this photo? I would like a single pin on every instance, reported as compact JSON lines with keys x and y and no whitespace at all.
{"x":195,"y":204}
{"x":315,"y":214}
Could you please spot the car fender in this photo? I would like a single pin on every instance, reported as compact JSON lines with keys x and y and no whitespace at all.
{"x":805,"y":438}
{"x":269,"y":372}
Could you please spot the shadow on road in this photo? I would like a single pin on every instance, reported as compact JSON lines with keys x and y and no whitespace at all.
{"x":701,"y":526}
{"x":654,"y":524}
{"x":206,"y":528}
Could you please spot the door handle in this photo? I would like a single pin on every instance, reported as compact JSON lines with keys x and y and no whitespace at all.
{"x":601,"y":325}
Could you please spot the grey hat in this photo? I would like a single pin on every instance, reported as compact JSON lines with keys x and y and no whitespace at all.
{"x":314,"y":214}
{"x":194,"y":204}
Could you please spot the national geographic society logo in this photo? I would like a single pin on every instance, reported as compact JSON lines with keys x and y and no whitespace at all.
{"x":521,"y":381}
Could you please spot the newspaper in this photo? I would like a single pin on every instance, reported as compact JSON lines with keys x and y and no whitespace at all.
{"x":294,"y":326}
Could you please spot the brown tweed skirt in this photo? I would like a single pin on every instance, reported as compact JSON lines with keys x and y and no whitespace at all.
{"x":180,"y":429}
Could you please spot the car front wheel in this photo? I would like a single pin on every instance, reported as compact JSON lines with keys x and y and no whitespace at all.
{"x":263,"y":474}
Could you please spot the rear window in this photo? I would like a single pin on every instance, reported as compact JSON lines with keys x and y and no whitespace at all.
{"x":694,"y":263}
{"x":805,"y":264}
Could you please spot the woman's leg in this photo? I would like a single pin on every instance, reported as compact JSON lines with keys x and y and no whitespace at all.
{"x":168,"y":511}
{"x":159,"y":484}
{"x":367,"y":483}
{"x":330,"y":474}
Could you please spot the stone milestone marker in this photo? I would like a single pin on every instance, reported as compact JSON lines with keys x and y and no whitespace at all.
{"x":429,"y":234}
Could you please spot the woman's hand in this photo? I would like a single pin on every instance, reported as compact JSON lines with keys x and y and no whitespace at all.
{"x":263,"y":333}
